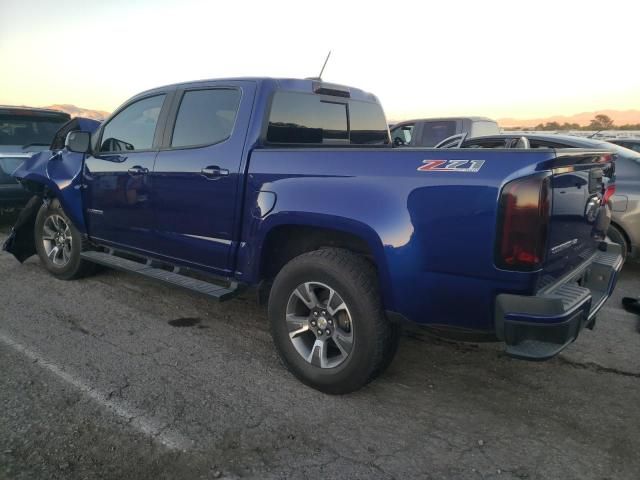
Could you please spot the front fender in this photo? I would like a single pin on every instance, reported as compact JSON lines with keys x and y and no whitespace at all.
{"x":59,"y":174}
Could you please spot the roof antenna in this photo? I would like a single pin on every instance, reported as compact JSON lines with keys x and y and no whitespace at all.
{"x":324,"y":64}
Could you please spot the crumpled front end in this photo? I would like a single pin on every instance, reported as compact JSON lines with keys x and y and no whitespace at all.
{"x":59,"y":175}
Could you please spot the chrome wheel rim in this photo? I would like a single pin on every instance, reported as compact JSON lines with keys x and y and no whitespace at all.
{"x":319,"y":324}
{"x":57,"y":240}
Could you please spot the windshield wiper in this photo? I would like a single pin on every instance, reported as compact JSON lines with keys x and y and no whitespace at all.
{"x":34,"y":144}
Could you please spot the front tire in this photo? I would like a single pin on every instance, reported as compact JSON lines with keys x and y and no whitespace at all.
{"x":327,"y":321}
{"x":59,"y":243}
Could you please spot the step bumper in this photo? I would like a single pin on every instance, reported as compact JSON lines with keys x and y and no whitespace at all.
{"x":539,"y":327}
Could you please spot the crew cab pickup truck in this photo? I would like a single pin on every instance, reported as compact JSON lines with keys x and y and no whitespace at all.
{"x":293,"y":186}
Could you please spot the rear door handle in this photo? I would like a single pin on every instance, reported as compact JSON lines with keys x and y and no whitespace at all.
{"x":213,"y":171}
{"x":138,"y":170}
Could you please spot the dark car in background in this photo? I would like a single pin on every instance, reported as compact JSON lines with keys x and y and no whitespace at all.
{"x":625,"y":204}
{"x":428,"y":132}
{"x":23,"y":131}
{"x":630,"y":143}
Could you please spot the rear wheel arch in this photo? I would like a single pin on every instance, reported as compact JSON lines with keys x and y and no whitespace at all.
{"x":284,"y":242}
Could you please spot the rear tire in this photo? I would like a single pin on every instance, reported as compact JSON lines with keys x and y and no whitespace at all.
{"x":59,"y":243}
{"x":616,"y":236}
{"x":328,"y":323}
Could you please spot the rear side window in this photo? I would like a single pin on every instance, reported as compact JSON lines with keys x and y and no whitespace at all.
{"x":134,"y":127}
{"x":300,"y":118}
{"x":483,"y":128}
{"x":434,"y":132}
{"x":402,"y":135}
{"x":205,"y":117}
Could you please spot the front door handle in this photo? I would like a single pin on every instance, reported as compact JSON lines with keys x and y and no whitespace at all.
{"x":213,"y":171}
{"x":138,"y":170}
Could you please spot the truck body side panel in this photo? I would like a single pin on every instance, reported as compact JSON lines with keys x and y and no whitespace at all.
{"x":432,"y":233}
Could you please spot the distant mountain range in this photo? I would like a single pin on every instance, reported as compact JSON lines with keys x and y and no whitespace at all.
{"x":80,"y":112}
{"x":619,"y":117}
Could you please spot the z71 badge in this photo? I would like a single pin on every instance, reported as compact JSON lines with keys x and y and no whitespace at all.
{"x":469,"y":166}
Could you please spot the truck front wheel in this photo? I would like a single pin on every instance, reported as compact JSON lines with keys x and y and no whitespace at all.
{"x":327,"y":320}
{"x":59,"y":243}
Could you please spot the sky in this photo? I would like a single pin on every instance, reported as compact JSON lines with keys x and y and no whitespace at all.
{"x":421,"y":58}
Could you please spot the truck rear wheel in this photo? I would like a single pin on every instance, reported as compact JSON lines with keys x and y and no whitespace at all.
{"x":327,"y":321}
{"x":59,"y":243}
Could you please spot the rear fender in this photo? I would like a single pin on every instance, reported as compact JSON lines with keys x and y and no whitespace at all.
{"x":249,"y":257}
{"x":59,"y":175}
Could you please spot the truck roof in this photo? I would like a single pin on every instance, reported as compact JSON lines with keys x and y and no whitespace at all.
{"x":22,"y":110}
{"x":444,"y":119}
{"x":289,"y":84}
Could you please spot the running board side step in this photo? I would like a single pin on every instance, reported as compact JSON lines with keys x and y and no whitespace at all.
{"x":211,"y":290}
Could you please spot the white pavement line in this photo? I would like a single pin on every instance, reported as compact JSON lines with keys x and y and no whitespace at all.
{"x":136,"y":418}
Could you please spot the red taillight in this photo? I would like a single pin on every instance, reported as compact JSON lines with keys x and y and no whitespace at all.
{"x":608,"y":193}
{"x":523,"y":221}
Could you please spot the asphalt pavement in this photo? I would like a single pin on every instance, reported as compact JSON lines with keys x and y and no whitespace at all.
{"x":118,"y":377}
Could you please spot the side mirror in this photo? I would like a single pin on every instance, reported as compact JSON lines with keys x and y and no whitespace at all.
{"x":398,"y":142}
{"x":79,"y":142}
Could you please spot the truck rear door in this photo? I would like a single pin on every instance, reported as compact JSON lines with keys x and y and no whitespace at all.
{"x":197,"y":174}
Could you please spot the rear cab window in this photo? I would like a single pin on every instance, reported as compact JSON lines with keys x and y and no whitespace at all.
{"x":434,"y":132}
{"x":23,"y":128}
{"x":312,"y":119}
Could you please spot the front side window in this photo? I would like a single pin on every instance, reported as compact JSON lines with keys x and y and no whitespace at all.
{"x":205,"y":117}
{"x":434,"y":132}
{"x":303,"y":118}
{"x":134,"y":127}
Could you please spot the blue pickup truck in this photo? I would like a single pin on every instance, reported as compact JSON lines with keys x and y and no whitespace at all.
{"x":293,"y":186}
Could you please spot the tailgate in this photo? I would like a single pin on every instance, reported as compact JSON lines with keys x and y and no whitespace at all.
{"x":578,"y":213}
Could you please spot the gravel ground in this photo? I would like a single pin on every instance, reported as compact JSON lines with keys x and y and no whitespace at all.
{"x":99,"y":382}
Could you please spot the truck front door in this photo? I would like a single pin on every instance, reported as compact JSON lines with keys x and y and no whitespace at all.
{"x":117,"y":197}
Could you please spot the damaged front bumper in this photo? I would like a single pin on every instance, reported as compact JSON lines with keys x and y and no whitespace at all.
{"x":540,"y":326}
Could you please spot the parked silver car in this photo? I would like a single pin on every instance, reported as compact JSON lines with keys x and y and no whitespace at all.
{"x":625,"y":204}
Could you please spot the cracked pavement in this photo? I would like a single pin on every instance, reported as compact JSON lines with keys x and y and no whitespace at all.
{"x":96,"y":383}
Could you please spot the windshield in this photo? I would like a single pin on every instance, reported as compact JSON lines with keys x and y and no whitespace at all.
{"x":26,"y":130}
{"x":625,"y":152}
